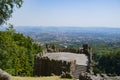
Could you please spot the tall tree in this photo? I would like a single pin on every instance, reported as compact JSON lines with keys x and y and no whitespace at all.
{"x":7,"y":8}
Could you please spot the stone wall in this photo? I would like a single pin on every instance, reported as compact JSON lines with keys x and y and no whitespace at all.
{"x":45,"y":67}
{"x":88,"y":51}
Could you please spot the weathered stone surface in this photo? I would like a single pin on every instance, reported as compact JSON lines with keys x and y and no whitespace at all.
{"x":54,"y":62}
{"x":81,"y":59}
{"x":4,"y":75}
{"x":45,"y":67}
{"x":78,"y":70}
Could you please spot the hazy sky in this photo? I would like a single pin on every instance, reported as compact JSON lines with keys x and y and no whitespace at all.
{"x":68,"y":13}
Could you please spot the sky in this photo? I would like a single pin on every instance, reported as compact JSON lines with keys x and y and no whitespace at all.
{"x":83,"y":13}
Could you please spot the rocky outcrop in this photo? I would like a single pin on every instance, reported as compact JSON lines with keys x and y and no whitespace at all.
{"x":4,"y":75}
{"x":88,"y":76}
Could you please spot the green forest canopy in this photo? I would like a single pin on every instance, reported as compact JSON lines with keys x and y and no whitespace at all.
{"x":17,"y":52}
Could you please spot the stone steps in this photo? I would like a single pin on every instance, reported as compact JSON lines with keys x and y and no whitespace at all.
{"x":79,"y":69}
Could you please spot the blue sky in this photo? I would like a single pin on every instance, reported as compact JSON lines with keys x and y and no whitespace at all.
{"x":105,"y":13}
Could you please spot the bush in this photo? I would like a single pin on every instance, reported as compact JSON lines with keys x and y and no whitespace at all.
{"x":66,"y":75}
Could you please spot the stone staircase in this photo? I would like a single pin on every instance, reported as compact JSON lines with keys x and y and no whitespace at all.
{"x":79,"y":69}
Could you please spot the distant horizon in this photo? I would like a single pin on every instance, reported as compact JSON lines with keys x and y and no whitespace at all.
{"x":63,"y":26}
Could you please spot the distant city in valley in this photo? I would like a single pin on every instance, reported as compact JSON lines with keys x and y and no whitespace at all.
{"x":65,"y":35}
{"x":99,"y":38}
{"x":74,"y":36}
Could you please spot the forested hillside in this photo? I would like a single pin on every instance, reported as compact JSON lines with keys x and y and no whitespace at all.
{"x":105,"y":43}
{"x":17,"y":52}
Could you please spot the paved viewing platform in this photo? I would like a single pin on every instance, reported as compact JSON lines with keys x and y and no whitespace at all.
{"x":81,"y":59}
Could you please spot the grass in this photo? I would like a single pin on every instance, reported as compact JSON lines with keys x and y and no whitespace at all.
{"x":38,"y":78}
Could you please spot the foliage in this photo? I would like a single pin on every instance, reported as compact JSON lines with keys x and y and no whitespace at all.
{"x":7,"y":8}
{"x":17,"y":52}
{"x":109,"y":63}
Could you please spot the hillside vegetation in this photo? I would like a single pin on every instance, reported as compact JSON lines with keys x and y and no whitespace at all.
{"x":108,"y":63}
{"x":17,"y":52}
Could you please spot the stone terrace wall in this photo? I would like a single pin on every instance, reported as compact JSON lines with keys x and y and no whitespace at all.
{"x":45,"y":67}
